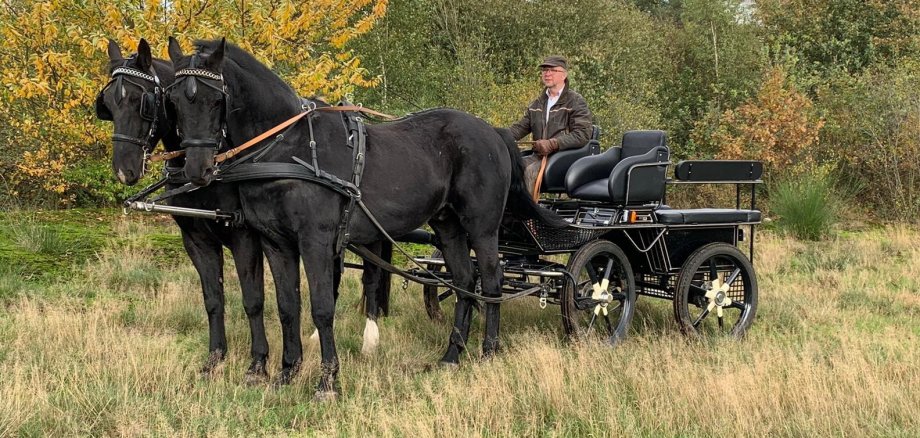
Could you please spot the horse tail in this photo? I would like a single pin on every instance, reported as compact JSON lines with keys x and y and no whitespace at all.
{"x":520,"y":203}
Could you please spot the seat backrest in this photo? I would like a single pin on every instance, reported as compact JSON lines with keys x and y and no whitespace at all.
{"x":640,"y":142}
{"x":558,"y":164}
{"x":644,"y":184}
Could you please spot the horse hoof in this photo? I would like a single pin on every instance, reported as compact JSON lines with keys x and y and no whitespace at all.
{"x":256,"y":374}
{"x":371,"y":338}
{"x":213,"y":364}
{"x":325,"y":396}
{"x":252,"y":379}
{"x":286,"y":376}
{"x":448,"y":366}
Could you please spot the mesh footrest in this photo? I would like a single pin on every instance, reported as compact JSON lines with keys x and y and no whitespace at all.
{"x":555,"y":239}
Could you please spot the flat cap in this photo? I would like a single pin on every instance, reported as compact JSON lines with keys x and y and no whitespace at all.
{"x":555,"y":61}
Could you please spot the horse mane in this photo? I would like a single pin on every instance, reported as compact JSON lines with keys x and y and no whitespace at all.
{"x":244,"y":61}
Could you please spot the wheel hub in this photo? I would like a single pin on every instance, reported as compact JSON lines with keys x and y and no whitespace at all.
{"x":601,"y":294}
{"x":718,"y":297}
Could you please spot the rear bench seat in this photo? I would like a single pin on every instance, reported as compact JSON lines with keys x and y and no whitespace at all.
{"x":707,"y":216}
{"x":717,"y":172}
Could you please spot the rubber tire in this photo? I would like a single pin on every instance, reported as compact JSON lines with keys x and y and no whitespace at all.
{"x":571,"y":316}
{"x":686,"y":277}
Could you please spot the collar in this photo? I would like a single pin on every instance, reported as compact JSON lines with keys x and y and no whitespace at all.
{"x":546,"y":91}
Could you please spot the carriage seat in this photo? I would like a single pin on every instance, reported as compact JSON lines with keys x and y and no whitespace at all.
{"x":628,"y":175}
{"x":558,"y":164}
{"x":707,"y":216}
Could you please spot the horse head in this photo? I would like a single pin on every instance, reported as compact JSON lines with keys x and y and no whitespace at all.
{"x":200,"y":99}
{"x":133,"y":100}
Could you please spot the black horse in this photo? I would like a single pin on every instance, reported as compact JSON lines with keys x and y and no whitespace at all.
{"x":139,"y":125}
{"x":133,"y":100}
{"x":444,"y":167}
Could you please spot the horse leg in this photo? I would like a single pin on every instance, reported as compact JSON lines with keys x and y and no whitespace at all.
{"x":384,"y":280}
{"x":206,"y":253}
{"x":285,"y":267}
{"x":375,"y":291}
{"x":336,"y":280}
{"x":247,"y":255}
{"x":490,"y":274}
{"x":456,"y":251}
{"x":318,"y":260}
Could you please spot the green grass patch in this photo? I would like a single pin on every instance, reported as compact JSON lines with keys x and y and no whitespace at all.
{"x":806,"y":204}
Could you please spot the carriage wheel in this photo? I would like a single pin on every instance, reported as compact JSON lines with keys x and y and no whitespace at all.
{"x":431,"y":293}
{"x":602,"y":301}
{"x":716,"y":292}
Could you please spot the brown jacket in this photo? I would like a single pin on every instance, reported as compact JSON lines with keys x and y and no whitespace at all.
{"x":569,"y":120}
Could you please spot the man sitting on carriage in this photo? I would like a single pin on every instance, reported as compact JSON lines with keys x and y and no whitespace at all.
{"x":558,"y":118}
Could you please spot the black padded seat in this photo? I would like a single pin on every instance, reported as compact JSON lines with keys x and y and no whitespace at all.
{"x":638,"y":165}
{"x":558,"y":164}
{"x":706,"y":216}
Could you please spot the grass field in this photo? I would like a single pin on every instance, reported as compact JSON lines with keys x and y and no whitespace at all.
{"x":102,"y":330}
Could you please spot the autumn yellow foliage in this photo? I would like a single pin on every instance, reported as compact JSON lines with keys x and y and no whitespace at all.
{"x":53,"y":58}
{"x":777,"y":126}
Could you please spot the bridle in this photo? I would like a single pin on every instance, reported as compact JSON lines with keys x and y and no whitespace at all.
{"x":192,"y":76}
{"x":151,"y":102}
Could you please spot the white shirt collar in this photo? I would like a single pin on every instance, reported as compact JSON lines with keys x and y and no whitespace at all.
{"x":550,"y":101}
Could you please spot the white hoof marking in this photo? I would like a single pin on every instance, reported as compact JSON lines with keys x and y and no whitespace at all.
{"x":371,"y":337}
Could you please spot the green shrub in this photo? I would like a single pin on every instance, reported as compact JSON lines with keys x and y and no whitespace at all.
{"x":806,"y":203}
{"x":94,"y":185}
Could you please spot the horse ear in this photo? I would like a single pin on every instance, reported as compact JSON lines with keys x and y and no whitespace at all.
{"x":114,"y":51}
{"x":175,"y":52}
{"x":216,"y":59}
{"x":144,"y":58}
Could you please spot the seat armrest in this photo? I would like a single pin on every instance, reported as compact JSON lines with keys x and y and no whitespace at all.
{"x":558,"y":164}
{"x":644,"y":175}
{"x":591,"y":168}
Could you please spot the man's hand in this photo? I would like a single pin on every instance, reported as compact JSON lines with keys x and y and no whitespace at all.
{"x":545,"y":147}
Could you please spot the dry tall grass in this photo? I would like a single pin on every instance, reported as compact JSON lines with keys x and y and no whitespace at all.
{"x":834,"y":351}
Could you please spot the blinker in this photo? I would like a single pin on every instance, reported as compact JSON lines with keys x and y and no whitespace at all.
{"x":119,"y":90}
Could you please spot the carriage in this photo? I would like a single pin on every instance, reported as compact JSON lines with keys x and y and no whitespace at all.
{"x":607,"y":211}
{"x":623,"y":240}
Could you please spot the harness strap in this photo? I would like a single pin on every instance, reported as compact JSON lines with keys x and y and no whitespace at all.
{"x":235,"y":151}
{"x":357,"y":141}
{"x":435,"y":280}
{"x":185,"y":188}
{"x":539,"y":181}
{"x":356,"y":108}
{"x":220,"y":158}
{"x":147,"y":190}
{"x":165,"y":156}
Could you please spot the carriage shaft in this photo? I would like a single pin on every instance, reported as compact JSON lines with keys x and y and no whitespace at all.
{"x":147,"y":207}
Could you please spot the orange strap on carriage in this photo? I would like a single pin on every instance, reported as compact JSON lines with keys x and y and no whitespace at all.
{"x":220,"y":158}
{"x":166,"y":156}
{"x":539,"y":183}
{"x":233,"y":152}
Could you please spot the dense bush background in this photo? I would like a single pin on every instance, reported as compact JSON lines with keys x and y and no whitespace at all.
{"x":800,"y":84}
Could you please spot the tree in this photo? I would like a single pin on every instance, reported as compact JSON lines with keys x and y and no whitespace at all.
{"x":52,"y":55}
{"x":778,"y":126}
{"x":825,"y":37}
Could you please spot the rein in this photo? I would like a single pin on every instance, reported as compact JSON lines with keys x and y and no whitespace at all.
{"x":220,"y":158}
